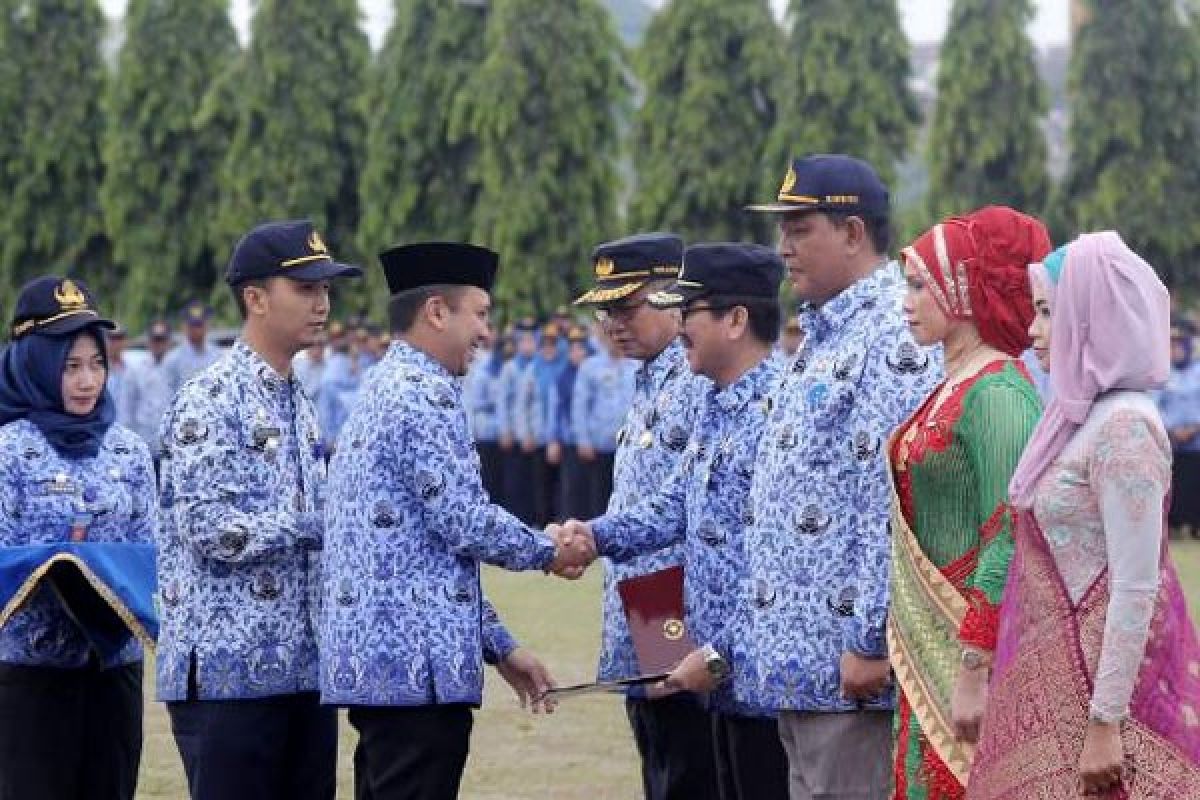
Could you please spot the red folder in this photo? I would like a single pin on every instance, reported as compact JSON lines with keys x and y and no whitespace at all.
{"x":654,"y":609}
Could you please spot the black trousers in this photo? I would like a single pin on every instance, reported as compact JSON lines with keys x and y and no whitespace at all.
{"x":271,"y":748}
{"x":491,"y":468}
{"x":1185,"y":490}
{"x":415,"y":753}
{"x":600,"y":482}
{"x":545,"y":489}
{"x":576,"y":497}
{"x":674,"y":738}
{"x":750,"y":759}
{"x":70,"y":734}
{"x":518,"y":484}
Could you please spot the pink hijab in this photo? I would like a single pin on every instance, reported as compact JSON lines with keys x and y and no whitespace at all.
{"x":1110,"y":329}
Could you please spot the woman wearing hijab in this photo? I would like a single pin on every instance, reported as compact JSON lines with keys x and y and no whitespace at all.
{"x":1096,"y":681}
{"x":70,"y":693}
{"x":951,"y":462}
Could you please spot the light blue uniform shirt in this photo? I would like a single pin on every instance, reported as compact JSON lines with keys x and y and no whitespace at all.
{"x":604,"y":391}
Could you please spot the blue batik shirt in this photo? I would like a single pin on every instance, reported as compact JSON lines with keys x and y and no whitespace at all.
{"x":665,"y":408}
{"x":242,"y":491}
{"x":819,"y":541}
{"x":603,"y":393}
{"x":404,"y":619}
{"x":41,"y":496}
{"x":704,"y":505}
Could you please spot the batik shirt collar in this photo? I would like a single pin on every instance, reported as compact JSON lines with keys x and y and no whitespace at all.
{"x":820,"y":322}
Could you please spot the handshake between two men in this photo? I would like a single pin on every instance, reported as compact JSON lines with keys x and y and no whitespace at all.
{"x":702,"y":670}
{"x":575,"y":548}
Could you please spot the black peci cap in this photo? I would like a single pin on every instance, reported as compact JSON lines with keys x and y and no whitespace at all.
{"x":412,"y":266}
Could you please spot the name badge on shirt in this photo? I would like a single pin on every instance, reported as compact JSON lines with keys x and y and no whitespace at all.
{"x":265,"y":437}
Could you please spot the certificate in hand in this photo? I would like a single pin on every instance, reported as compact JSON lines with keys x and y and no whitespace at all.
{"x":654,"y":609}
{"x":597,"y":687}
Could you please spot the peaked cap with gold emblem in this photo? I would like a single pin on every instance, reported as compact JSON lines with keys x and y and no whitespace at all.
{"x":829,"y":183}
{"x":54,"y":306}
{"x":623,"y":266}
{"x":291,"y":249}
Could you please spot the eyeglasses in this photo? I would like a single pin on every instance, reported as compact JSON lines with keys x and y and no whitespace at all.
{"x":687,"y":311}
{"x":621,"y":313}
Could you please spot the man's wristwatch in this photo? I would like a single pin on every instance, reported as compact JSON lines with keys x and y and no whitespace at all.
{"x":717,"y":666}
{"x":973,"y":660}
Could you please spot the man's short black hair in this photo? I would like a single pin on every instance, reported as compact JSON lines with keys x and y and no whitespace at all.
{"x":403,"y":307}
{"x":879,"y":229}
{"x":239,"y":300}
{"x":765,"y":316}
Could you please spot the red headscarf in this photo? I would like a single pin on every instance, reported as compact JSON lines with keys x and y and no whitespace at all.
{"x":977,"y":268}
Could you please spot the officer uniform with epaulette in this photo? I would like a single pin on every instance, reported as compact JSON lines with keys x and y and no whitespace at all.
{"x":673,"y":733}
{"x":405,"y":629}
{"x":242,"y":498}
{"x":195,"y":352}
{"x":704,"y":504}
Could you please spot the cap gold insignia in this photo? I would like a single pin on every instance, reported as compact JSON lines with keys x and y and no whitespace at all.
{"x":604,"y":267}
{"x":69,"y":296}
{"x":789,"y":181}
{"x":673,"y":630}
{"x":316,"y":243}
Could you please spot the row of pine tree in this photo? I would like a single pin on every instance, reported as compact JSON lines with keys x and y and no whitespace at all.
{"x":524,"y":125}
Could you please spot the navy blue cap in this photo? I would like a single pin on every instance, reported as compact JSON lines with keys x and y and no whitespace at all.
{"x":623,"y":266}
{"x":291,"y":249}
{"x":830,"y":183}
{"x":729,"y":270}
{"x":196,"y":312}
{"x":54,"y":306}
{"x":412,"y":266}
{"x":158,"y":329}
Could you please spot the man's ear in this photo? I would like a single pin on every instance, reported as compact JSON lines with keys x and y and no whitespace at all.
{"x":435,"y":310}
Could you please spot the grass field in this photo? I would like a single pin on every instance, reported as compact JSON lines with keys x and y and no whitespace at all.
{"x":582,"y":752}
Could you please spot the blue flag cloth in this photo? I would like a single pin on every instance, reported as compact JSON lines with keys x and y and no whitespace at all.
{"x":107,"y":589}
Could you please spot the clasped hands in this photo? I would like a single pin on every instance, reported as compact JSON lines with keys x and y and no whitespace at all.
{"x":574,"y":548}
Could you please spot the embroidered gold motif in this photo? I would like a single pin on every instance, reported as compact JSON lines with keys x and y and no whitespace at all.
{"x":69,"y":296}
{"x":673,"y":630}
{"x":317,"y":244}
{"x":604,"y":267}
{"x":789,"y":181}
